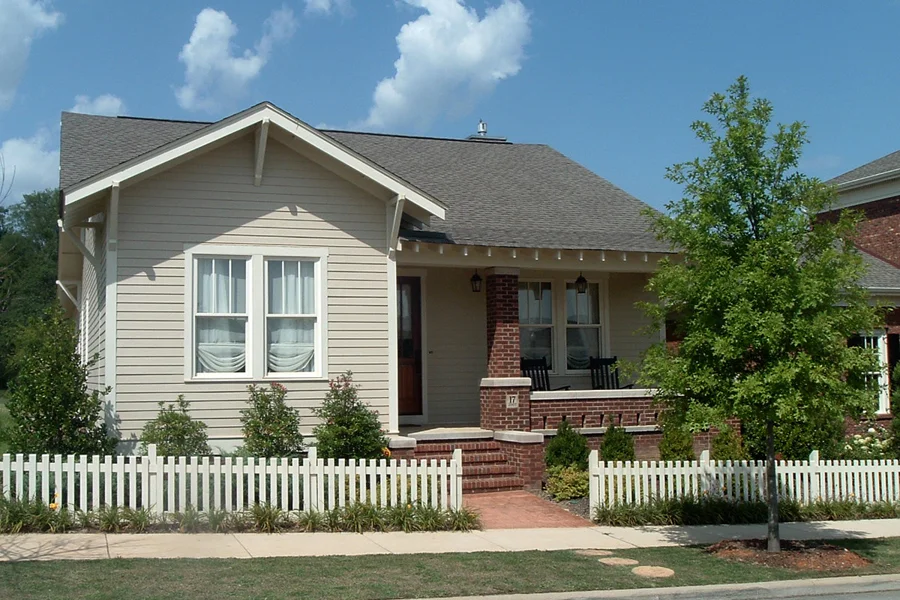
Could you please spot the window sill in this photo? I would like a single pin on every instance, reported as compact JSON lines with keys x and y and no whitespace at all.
{"x":263,"y":380}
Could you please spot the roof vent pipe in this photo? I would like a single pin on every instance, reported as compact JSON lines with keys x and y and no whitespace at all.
{"x":482,"y":128}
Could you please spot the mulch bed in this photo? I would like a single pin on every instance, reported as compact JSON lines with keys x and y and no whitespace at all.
{"x":578,"y":506}
{"x":794,"y":555}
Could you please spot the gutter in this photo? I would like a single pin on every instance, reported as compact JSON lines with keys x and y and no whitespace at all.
{"x":868,"y":180}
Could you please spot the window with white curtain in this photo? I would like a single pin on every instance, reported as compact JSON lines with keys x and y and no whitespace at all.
{"x":536,"y":320}
{"x":582,"y":326}
{"x":255,"y":312}
{"x":290,"y":316}
{"x":221,"y":315}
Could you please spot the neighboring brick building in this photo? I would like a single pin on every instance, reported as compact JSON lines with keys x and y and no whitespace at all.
{"x":874,"y":190}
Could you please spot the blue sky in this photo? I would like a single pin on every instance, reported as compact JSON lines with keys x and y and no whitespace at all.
{"x":612,"y":84}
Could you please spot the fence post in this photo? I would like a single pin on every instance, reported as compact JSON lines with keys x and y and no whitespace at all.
{"x":151,"y":476}
{"x":593,"y":480}
{"x":706,"y":473}
{"x":456,"y":501}
{"x":312,"y":457}
{"x":813,"y":491}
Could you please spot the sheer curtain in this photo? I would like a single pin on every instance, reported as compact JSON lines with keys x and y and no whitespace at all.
{"x":221,"y":315}
{"x":291,"y":319}
{"x":582,"y":326}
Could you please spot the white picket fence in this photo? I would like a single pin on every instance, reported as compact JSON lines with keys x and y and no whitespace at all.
{"x":170,"y":484}
{"x":804,"y":481}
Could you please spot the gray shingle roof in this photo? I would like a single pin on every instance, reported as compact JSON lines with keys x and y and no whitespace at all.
{"x":880,"y":274}
{"x":515,"y":195}
{"x":877,"y":166}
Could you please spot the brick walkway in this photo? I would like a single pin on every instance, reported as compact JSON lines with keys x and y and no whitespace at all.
{"x":520,"y":510}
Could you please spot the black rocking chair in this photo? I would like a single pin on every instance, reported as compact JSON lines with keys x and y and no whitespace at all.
{"x":537,"y":370}
{"x":605,"y":375}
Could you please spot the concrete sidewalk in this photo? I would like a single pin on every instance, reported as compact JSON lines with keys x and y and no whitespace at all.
{"x":256,"y":545}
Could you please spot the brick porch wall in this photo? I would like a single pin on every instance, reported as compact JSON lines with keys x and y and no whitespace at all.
{"x":601,"y":412}
{"x":502,"y":297}
{"x":497,"y":416}
{"x":528,"y":459}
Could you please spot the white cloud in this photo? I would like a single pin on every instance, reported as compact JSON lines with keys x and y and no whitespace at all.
{"x":449,"y":58}
{"x":30,"y":164}
{"x":214,"y":76}
{"x":106,"y":104}
{"x":21,"y":22}
{"x":325,"y":7}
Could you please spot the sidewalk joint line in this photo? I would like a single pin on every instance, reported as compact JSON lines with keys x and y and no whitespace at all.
{"x":235,"y":538}
{"x":366,"y":535}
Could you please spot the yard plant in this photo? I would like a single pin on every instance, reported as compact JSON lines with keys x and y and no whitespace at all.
{"x":766,"y":290}
{"x":51,"y":410}
{"x":568,"y":448}
{"x":271,"y":427}
{"x":617,"y":444}
{"x":174,"y":432}
{"x":347,"y":427}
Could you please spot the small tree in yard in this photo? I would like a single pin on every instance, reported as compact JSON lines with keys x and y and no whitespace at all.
{"x":174,"y":432}
{"x":768,"y":291}
{"x":50,"y":408}
{"x":348,"y":427}
{"x":271,"y":427}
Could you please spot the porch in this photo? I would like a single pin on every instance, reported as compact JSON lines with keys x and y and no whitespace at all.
{"x":465,"y":317}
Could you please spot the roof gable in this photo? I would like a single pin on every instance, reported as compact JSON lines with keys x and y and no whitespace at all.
{"x":202,"y":138}
{"x":880,"y":169}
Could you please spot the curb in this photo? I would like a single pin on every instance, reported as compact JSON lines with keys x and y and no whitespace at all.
{"x":794,"y":588}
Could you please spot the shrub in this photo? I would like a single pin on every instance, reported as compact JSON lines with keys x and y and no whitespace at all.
{"x":796,"y":436}
{"x":895,"y":432}
{"x":617,"y":444}
{"x":567,"y":448}
{"x":566,"y":483}
{"x":676,"y":444}
{"x":727,"y":445}
{"x":51,"y":410}
{"x":875,"y":444}
{"x":271,"y":427}
{"x":175,"y":433}
{"x":348,"y":428}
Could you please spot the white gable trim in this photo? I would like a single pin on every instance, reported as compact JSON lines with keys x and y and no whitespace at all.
{"x":234,"y":125}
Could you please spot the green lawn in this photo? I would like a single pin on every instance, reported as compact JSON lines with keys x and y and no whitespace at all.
{"x":4,"y":420}
{"x":383,"y":577}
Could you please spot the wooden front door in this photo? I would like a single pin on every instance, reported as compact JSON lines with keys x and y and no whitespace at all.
{"x":409,"y":344}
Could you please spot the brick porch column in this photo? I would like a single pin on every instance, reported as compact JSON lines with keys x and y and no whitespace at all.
{"x":505,"y":394}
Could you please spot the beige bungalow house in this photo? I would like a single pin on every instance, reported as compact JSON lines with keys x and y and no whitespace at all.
{"x":199,"y":258}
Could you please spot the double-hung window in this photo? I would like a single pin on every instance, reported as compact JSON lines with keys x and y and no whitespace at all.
{"x":536,"y":320}
{"x":221,"y":316}
{"x":877,"y":341}
{"x":291,"y":316}
{"x":255,"y":313}
{"x":582,"y":326}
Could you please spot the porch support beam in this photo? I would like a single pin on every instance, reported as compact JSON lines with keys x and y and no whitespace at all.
{"x":69,"y":295}
{"x":76,"y":240}
{"x":262,"y":136}
{"x":395,"y":216}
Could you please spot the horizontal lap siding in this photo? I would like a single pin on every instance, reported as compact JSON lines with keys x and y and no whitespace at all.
{"x":627,"y":322}
{"x":457,"y":346}
{"x":212,"y":199}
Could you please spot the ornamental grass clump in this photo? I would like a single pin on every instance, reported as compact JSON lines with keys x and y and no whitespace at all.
{"x":348,"y":428}
{"x":174,"y":432}
{"x":271,"y":427}
{"x":567,"y":448}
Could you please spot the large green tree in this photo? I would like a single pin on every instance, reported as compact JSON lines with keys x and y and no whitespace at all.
{"x":28,"y":254}
{"x":767,"y":292}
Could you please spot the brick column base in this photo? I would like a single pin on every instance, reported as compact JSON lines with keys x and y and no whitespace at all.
{"x":506,"y":403}
{"x":525,"y":451}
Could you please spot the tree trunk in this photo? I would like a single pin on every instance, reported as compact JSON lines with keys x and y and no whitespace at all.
{"x":774,"y":538}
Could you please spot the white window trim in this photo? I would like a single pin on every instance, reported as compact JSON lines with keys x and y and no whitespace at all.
{"x":884,"y":386}
{"x":256,"y":310}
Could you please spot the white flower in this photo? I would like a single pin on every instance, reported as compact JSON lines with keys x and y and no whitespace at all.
{"x":871,"y":430}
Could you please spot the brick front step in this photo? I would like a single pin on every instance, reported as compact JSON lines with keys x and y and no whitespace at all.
{"x":465,"y":446}
{"x":492,"y":484}
{"x":478,"y":471}
{"x":469,"y":458}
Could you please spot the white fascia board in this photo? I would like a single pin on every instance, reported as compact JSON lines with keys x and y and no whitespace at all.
{"x":242,"y":121}
{"x":868,"y":180}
